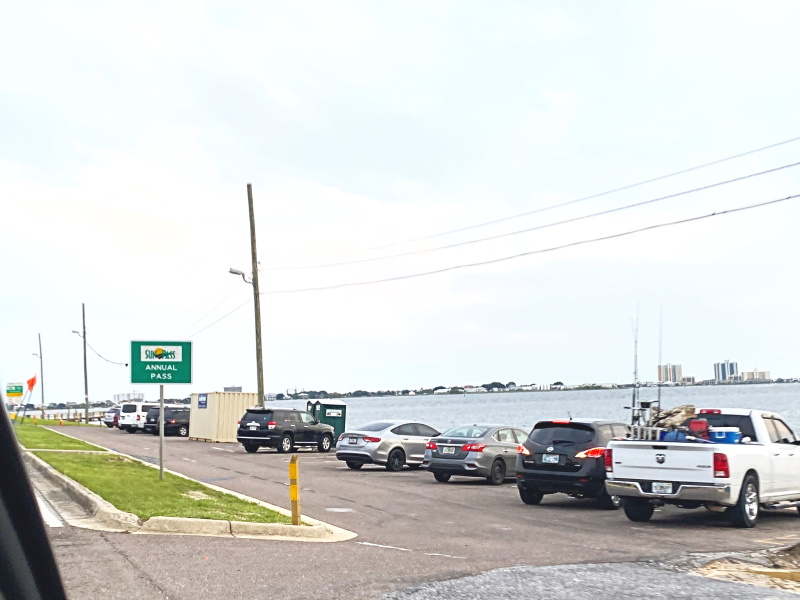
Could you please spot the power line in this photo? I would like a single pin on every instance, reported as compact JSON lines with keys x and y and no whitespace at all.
{"x":103,"y":357}
{"x":541,"y":251}
{"x":225,"y":316}
{"x":545,"y":226}
{"x":215,"y":307}
{"x":583,"y":199}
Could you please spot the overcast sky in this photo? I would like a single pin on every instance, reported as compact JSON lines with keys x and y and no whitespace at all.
{"x":128,"y":134}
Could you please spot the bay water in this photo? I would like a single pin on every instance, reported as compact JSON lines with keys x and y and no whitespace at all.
{"x":524,"y":409}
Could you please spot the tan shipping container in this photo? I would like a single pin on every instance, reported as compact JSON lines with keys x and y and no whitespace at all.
{"x":217,"y":422}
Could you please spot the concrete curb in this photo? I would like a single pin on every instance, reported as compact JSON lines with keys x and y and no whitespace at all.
{"x":103,"y":512}
{"x":312,"y":530}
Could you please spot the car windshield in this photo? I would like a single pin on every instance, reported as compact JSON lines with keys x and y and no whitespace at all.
{"x":258,"y":417}
{"x":561,"y":434}
{"x":376,"y":426}
{"x":129,"y":408}
{"x":466,"y":431}
{"x":153,"y":413}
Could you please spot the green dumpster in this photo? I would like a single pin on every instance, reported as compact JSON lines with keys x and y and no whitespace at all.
{"x":331,"y":412}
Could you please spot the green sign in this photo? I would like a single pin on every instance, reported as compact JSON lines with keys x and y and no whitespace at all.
{"x":14,"y":390}
{"x":161,"y":362}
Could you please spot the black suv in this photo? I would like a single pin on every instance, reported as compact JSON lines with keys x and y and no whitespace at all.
{"x":567,"y":456}
{"x":176,"y":421}
{"x":282,"y":428}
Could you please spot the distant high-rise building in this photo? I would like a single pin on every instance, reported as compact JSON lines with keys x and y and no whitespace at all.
{"x":755,"y":375}
{"x":671,"y":373}
{"x":725,"y":370}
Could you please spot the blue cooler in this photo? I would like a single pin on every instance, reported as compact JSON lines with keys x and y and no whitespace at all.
{"x":725,"y":435}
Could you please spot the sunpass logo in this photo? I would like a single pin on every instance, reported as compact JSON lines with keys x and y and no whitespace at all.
{"x":162,"y":353}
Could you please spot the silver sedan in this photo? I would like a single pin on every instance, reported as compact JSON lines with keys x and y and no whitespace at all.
{"x":475,"y":450}
{"x":389,"y":443}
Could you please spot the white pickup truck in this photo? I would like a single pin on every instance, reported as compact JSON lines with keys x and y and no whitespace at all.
{"x":762,"y":471}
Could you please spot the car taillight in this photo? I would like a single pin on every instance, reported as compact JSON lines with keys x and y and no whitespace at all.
{"x":430,"y":446}
{"x":561,"y":421}
{"x":239,"y":422}
{"x":721,"y":468}
{"x":523,"y":450}
{"x":271,"y":425}
{"x":341,"y":437}
{"x":138,"y":417}
{"x":591,"y":453}
{"x":473,"y":447}
{"x":172,"y":421}
{"x":608,"y":454}
{"x":371,"y":439}
{"x":710,"y":411}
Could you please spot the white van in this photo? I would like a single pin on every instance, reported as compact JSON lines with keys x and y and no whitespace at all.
{"x":132,"y":415}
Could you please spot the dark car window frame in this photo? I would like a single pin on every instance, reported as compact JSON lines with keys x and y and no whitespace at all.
{"x":406,"y":429}
{"x":426,"y":430}
{"x":588,"y":430}
{"x":307,"y":417}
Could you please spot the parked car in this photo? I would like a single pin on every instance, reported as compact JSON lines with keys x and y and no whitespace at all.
{"x":61,"y":405}
{"x":389,"y":443}
{"x":488,"y":451}
{"x":747,"y":463}
{"x":176,"y":420}
{"x":283,"y":429}
{"x":567,"y":456}
{"x":132,"y":416}
{"x":111,"y":418}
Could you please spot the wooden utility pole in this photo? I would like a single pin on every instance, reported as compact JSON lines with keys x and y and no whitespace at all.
{"x":256,"y":296}
{"x":85,"y":371}
{"x":41,"y":372}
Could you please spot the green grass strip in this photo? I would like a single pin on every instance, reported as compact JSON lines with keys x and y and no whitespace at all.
{"x":32,"y":436}
{"x":135,"y":488}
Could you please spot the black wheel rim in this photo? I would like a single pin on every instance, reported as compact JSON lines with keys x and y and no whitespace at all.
{"x":397,"y":461}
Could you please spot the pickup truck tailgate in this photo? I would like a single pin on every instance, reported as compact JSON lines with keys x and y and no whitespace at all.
{"x":660,"y":461}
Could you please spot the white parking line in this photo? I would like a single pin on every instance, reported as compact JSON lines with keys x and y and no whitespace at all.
{"x":382,"y":546}
{"x":50,"y":518}
{"x":223,"y":449}
{"x":189,"y":459}
{"x":340,"y":510}
{"x":444,"y":555}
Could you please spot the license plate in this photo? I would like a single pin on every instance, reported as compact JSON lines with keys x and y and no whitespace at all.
{"x":448,"y":450}
{"x":550,"y":459}
{"x":353,"y":440}
{"x":661,"y":488}
{"x":253,"y":427}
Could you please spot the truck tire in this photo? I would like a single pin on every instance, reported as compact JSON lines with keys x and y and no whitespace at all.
{"x":745,"y":512}
{"x":637,"y":509}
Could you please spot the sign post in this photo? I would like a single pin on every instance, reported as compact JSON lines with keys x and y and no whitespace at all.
{"x":162,"y":363}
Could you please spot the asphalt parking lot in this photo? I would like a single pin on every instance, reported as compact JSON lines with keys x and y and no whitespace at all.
{"x":411,"y":529}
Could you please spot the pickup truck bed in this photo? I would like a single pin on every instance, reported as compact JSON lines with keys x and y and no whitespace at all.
{"x":761,"y":472}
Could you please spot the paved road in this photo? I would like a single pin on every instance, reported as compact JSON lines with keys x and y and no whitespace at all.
{"x":412,"y":530}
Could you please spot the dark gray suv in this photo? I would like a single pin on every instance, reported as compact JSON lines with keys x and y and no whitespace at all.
{"x":567,"y":456}
{"x":282,"y":428}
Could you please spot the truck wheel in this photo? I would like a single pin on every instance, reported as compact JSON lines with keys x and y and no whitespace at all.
{"x":637,"y":509}
{"x":285,"y":444}
{"x":529,"y":496}
{"x":607,"y":501}
{"x":131,"y":430}
{"x":325,"y":443}
{"x":745,"y":513}
{"x":250,"y":448}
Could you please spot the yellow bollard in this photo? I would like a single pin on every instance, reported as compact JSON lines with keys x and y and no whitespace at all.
{"x":294,"y":489}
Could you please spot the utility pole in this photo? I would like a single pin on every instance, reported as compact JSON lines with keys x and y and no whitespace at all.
{"x":41,"y":372}
{"x":85,"y":371}
{"x":256,"y":296}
